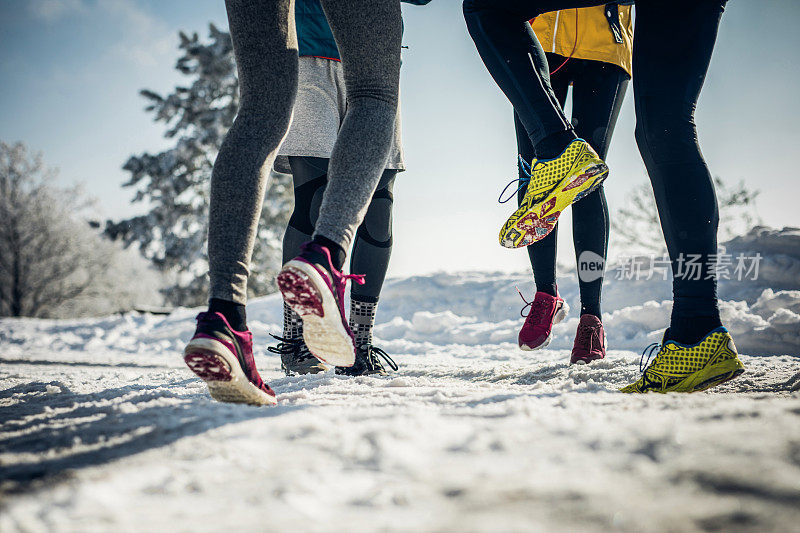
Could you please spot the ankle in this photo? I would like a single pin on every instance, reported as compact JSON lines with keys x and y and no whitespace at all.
{"x":362,"y":318}
{"x":554,"y":144}
{"x":233,"y":312}
{"x":292,"y":324}
{"x":338,"y":255}
{"x":691,"y":330}
{"x":548,"y":288}
{"x":592,"y":309}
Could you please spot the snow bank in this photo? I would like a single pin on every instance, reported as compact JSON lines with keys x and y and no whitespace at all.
{"x":481,"y":308}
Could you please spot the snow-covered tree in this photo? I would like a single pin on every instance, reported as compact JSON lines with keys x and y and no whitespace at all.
{"x":174,"y":184}
{"x":53,"y":263}
{"x":637,"y":229}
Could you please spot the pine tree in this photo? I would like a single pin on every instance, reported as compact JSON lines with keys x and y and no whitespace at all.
{"x":174,"y":184}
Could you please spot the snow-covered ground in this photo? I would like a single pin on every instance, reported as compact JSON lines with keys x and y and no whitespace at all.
{"x":103,"y":428}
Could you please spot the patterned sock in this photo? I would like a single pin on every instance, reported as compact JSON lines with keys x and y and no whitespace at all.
{"x":362,"y":318}
{"x":292,"y":323}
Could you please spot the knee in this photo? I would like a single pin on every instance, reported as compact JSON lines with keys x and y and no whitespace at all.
{"x":666,"y":133}
{"x":474,"y":10}
{"x":377,"y":225}
{"x":261,"y":120}
{"x":307,"y":200}
{"x":373,"y":97}
{"x":471,"y":6}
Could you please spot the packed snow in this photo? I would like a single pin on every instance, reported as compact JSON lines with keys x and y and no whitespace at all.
{"x":103,"y":428}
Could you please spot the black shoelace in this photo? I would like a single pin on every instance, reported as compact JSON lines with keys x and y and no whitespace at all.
{"x":294,"y":347}
{"x":648,"y":352}
{"x":374,"y":355}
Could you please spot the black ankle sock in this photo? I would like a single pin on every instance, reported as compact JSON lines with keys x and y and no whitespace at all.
{"x":691,"y":330}
{"x":591,"y":309}
{"x":338,"y":255}
{"x":693,"y":317}
{"x":547,"y":288}
{"x":554,"y":144}
{"x":234,"y":313}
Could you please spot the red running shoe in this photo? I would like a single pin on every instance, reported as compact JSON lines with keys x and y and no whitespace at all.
{"x":590,"y":341}
{"x":314,"y":289}
{"x":546,"y":311}
{"x":223,"y":358}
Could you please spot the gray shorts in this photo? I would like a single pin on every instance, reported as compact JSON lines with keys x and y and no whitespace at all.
{"x":318,"y":113}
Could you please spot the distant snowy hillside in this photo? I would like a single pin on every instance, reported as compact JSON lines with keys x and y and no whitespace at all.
{"x":480,"y":308}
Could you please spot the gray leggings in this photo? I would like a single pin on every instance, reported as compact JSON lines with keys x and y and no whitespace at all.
{"x":368,"y":34}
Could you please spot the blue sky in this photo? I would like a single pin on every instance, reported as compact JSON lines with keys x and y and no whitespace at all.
{"x":70,"y":72}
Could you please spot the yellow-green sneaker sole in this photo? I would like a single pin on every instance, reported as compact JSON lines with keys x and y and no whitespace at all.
{"x":534,"y":221}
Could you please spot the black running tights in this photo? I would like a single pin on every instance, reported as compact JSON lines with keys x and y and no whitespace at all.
{"x":673,"y":42}
{"x":372,"y":246}
{"x":598,"y":90}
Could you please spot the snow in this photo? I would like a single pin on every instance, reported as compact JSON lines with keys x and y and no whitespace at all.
{"x":103,"y":428}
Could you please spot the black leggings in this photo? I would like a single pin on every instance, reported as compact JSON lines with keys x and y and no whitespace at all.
{"x":598,"y":90}
{"x":673,"y":42}
{"x":372,"y":246}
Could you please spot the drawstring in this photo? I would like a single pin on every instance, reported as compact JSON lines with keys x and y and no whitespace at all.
{"x":574,"y":46}
{"x":523,"y":181}
{"x":649,"y":352}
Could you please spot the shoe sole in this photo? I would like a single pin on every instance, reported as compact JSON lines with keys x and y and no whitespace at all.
{"x":308,"y":295}
{"x":560,"y":315}
{"x":219,"y":368}
{"x":517,"y":232}
{"x":711,"y":376}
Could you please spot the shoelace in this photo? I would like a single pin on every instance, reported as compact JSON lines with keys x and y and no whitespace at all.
{"x":537,"y":310}
{"x":373,"y":361}
{"x":655,"y":347}
{"x":289,"y":346}
{"x":523,"y":181}
{"x":357,"y":278}
{"x":586,"y":333}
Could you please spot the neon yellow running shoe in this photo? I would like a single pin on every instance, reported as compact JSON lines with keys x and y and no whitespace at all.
{"x":682,"y":368}
{"x":555,"y":184}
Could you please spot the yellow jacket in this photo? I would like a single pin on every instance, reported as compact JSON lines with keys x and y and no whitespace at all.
{"x":595,"y":38}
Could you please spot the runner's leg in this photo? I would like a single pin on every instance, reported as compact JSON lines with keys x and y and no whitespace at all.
{"x":542,"y":254}
{"x":516,"y":61}
{"x":309,"y":177}
{"x":598,"y":90}
{"x":368,"y":34}
{"x":669,"y":76}
{"x":265,"y":47}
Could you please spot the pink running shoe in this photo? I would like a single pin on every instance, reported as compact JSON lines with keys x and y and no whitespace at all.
{"x":314,"y":289}
{"x":590,"y":341}
{"x":223,"y":358}
{"x":546,"y":311}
